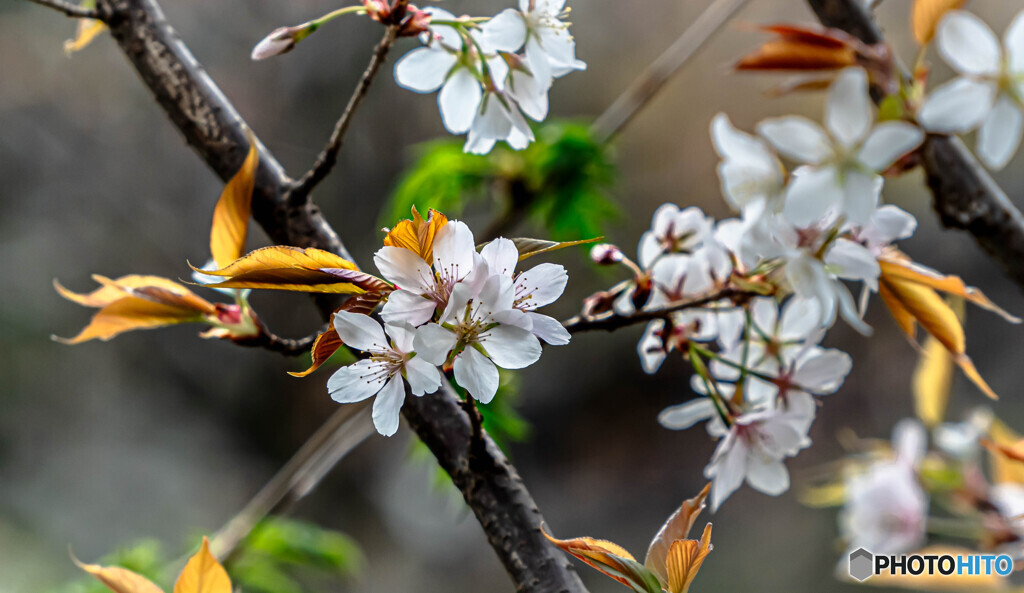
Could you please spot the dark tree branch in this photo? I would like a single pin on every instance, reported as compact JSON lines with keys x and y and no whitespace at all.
{"x":275,"y":343}
{"x":611,"y":321}
{"x":327,"y":158}
{"x":493,"y":489}
{"x":965,"y":195}
{"x":70,"y":9}
{"x":216,"y":132}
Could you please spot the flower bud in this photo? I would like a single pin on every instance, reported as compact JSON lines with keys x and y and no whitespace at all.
{"x":606,"y":254}
{"x":281,"y":41}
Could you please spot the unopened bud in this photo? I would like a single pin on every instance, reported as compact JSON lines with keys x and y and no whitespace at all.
{"x":606,"y":254}
{"x":281,"y":41}
{"x":416,"y":22}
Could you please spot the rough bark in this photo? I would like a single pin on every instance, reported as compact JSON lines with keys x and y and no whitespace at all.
{"x":964,"y":194}
{"x":215,"y":130}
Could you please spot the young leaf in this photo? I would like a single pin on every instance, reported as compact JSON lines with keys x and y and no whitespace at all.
{"x":417,"y":235}
{"x":802,"y":48}
{"x":85,"y":31}
{"x":295,"y":269}
{"x":119,"y":580}
{"x":203,"y":574}
{"x":677,"y":527}
{"x":933,"y":378}
{"x":231,"y":215}
{"x":898,"y":265}
{"x":926,"y":14}
{"x":612,"y":560}
{"x":685,"y":558}
{"x":1006,"y":451}
{"x":531,"y":247}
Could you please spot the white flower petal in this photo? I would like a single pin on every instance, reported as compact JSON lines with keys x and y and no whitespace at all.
{"x":549,"y":329}
{"x":797,"y":138}
{"x":890,"y":223}
{"x":811,"y":193}
{"x":531,"y":94}
{"x":402,"y":336}
{"x":1013,"y":41}
{"x":889,"y":141}
{"x":506,"y":31}
{"x":848,"y":113}
{"x":356,"y":382}
{"x":651,"y":348}
{"x":433,"y":343}
{"x":459,"y":101}
{"x":767,"y":475}
{"x":851,"y":260}
{"x":424,"y":70}
{"x":957,"y":106}
{"x":822,"y":371}
{"x":359,"y":331}
{"x":404,"y":268}
{"x":476,"y":374}
{"x":422,"y":376}
{"x":540,"y":285}
{"x":727,"y":468}
{"x":501,"y":256}
{"x":1000,"y":135}
{"x":800,"y":317}
{"x":765,"y":314}
{"x":860,"y":196}
{"x":511,"y":347}
{"x":968,"y":44}
{"x":404,"y":306}
{"x":454,"y":250}
{"x":387,"y":406}
{"x":686,"y":415}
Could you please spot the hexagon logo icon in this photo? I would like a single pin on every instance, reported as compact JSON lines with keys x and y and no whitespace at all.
{"x":861,"y":564}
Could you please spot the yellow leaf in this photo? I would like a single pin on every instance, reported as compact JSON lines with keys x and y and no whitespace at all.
{"x":933,"y":379}
{"x":904,"y":319}
{"x":926,"y":14}
{"x":203,"y":574}
{"x":417,"y":235}
{"x":685,"y":558}
{"x":677,"y":527}
{"x":938,"y":582}
{"x":231,"y":215}
{"x":119,"y":580}
{"x":898,"y":265}
{"x":1005,"y":452}
{"x":295,"y":269}
{"x":85,"y":32}
{"x":600,"y":554}
{"x":137,"y":302}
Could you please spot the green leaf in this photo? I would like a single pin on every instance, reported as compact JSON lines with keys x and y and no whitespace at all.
{"x":302,"y":544}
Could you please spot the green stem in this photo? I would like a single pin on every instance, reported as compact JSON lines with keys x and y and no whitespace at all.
{"x":314,"y":24}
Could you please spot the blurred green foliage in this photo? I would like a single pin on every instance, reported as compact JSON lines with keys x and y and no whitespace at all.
{"x":562,"y":181}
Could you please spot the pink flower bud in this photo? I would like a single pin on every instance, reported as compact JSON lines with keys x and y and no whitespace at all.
{"x":282,"y":40}
{"x":606,"y":254}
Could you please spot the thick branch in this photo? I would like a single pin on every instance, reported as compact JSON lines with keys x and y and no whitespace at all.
{"x":210,"y":122}
{"x":211,"y":125}
{"x":965,"y":195}
{"x":327,"y":158}
{"x":493,"y":489}
{"x":70,"y":9}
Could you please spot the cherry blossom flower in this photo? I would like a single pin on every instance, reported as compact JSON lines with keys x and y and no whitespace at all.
{"x":550,"y":49}
{"x":673,"y":231}
{"x":661,"y":337}
{"x":842,"y":161}
{"x":382,"y":373}
{"x":482,"y":330}
{"x":498,"y":119}
{"x":886,"y":509}
{"x":887,"y":225}
{"x":989,"y":90}
{"x":422,"y":289}
{"x":537,"y":287}
{"x":750,"y":171}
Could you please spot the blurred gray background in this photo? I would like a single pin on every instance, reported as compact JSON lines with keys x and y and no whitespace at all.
{"x":158,"y":434}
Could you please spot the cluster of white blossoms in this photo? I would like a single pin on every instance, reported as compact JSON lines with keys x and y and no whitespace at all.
{"x":800,"y":236}
{"x":464,"y":310}
{"x":491,"y":73}
{"x":988,"y":94}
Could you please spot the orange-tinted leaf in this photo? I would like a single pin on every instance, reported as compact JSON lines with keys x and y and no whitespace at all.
{"x":675,"y":528}
{"x":801,"y":84}
{"x":203,"y":574}
{"x":926,"y":14}
{"x":328,"y":342}
{"x":816,"y":36}
{"x":119,"y":580}
{"x":897,"y":265}
{"x":295,"y":269}
{"x":788,"y":54}
{"x":231,"y":215}
{"x":164,"y":292}
{"x":531,"y":247}
{"x":111,"y":290}
{"x":130,"y":314}
{"x":85,"y":31}
{"x":1006,"y":454}
{"x":417,"y":235}
{"x":685,"y":558}
{"x":933,"y":378}
{"x":611,"y":559}
{"x":904,"y":319}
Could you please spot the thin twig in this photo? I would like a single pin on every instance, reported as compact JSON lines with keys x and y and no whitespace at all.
{"x":661,"y":70}
{"x":327,"y":158}
{"x":70,"y":9}
{"x":274,"y":343}
{"x":611,"y":320}
{"x":341,"y":433}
